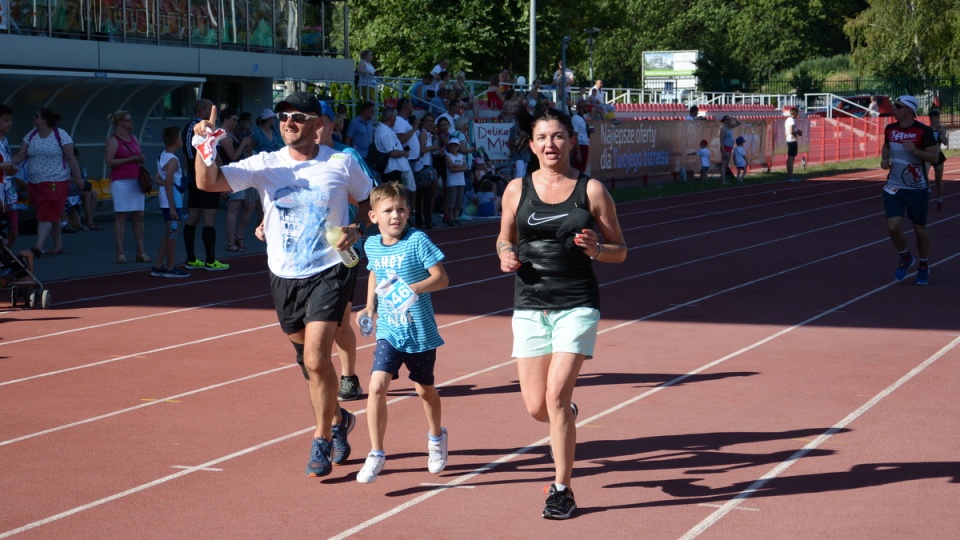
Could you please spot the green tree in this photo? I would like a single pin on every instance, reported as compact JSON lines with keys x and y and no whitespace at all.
{"x":907,"y":38}
{"x":479,"y":37}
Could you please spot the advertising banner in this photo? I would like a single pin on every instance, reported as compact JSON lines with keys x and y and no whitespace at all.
{"x":492,"y":138}
{"x":4,"y":14}
{"x":633,"y":149}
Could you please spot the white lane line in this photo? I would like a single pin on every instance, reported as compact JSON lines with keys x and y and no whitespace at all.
{"x":137,"y":354}
{"x":131,"y":319}
{"x":159,"y":288}
{"x":738,"y":508}
{"x":208,"y":469}
{"x":713,"y":518}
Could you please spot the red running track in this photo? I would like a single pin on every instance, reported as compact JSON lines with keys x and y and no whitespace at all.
{"x":758,"y":375}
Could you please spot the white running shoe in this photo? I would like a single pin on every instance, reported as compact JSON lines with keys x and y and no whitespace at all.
{"x":371,"y":468}
{"x":438,"y":453}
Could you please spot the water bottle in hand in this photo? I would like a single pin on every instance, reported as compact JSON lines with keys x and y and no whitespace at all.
{"x":348,"y":256}
{"x":366,"y":325}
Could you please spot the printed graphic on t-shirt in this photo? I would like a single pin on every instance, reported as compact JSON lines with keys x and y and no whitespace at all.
{"x":301,"y":209}
{"x":906,"y":169}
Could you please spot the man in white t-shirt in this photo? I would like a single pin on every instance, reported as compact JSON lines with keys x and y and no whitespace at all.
{"x":306,"y":190}
{"x":441,"y":66}
{"x":792,"y":132}
{"x":388,"y":143}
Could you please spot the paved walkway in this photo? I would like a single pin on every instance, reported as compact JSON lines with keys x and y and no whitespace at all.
{"x":91,"y":253}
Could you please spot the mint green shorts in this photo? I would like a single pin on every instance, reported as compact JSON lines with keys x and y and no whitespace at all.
{"x":536,"y":332}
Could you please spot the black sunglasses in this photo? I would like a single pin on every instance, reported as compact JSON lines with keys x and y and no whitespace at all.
{"x":297,"y":117}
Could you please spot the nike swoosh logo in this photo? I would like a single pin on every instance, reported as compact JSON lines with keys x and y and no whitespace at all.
{"x":533,"y":220}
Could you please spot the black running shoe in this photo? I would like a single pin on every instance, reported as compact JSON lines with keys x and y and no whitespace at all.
{"x":349,"y":388}
{"x":319,"y":464}
{"x":341,"y":448}
{"x":560,"y":504}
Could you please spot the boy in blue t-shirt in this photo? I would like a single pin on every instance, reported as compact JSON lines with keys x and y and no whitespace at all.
{"x":404,"y":269}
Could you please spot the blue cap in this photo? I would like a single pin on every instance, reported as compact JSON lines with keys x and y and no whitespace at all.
{"x":741,"y":140}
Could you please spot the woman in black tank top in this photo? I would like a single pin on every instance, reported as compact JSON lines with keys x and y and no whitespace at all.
{"x":556,"y":223}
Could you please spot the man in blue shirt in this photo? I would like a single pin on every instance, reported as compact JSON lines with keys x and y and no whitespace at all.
{"x":361,"y":130}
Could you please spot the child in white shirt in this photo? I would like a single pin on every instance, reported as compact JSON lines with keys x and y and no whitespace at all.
{"x":704,"y":154}
{"x":740,"y":159}
{"x":456,"y":165}
{"x":170,"y":177}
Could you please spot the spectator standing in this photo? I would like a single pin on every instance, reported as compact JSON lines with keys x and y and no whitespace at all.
{"x":907,"y":146}
{"x":563,"y":79}
{"x":581,"y":151}
{"x":406,"y":128}
{"x":740,"y":159}
{"x":456,"y":164}
{"x":419,"y":91}
{"x":943,"y":140}
{"x":388,"y":143}
{"x":366,"y":76}
{"x":727,"y":140}
{"x":534,"y":95}
{"x":170,"y":175}
{"x":8,"y":184}
{"x":266,"y":137}
{"x":495,"y":97}
{"x":316,"y":185}
{"x":426,"y":174}
{"x":243,"y":125}
{"x":441,"y":66}
{"x":792,"y":133}
{"x":240,"y":205}
{"x":407,"y":334}
{"x":704,"y":154}
{"x":123,"y":155}
{"x":360,"y":132}
{"x":873,"y":110}
{"x":548,"y":239}
{"x":201,"y":205}
{"x":52,"y":164}
{"x":694,"y":113}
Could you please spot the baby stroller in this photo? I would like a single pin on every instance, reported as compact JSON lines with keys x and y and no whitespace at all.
{"x":16,"y":273}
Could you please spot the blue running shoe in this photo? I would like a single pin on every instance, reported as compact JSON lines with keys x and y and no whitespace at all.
{"x":341,"y":448}
{"x":319,"y":464}
{"x":923,"y":275}
{"x":904,"y":267}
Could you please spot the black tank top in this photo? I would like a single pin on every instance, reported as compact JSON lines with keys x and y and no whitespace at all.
{"x":224,"y":158}
{"x":551,"y":276}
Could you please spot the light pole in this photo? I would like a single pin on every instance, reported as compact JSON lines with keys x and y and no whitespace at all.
{"x":562,"y":83}
{"x":591,"y":32}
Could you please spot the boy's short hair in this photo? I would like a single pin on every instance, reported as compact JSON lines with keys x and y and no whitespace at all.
{"x":5,"y":110}
{"x":388,"y":191}
{"x":171,"y":134}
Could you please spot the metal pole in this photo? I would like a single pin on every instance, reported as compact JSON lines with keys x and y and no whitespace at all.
{"x":564,"y":105}
{"x":532,"y":69}
{"x":590,"y":42}
{"x":346,"y":30}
